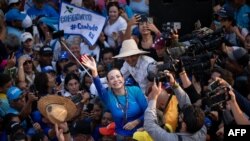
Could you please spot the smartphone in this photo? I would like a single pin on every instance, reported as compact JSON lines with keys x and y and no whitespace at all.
{"x":150,"y":20}
{"x":90,"y":107}
{"x":213,"y":85}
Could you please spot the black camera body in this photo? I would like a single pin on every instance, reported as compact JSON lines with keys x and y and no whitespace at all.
{"x":76,"y":98}
{"x":217,"y":94}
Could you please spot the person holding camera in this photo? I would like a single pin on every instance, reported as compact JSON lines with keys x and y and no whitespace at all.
{"x":191,"y":118}
{"x":126,"y":103}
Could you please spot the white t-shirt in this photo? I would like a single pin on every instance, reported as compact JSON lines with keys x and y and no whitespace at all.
{"x":95,"y":52}
{"x":120,"y":25}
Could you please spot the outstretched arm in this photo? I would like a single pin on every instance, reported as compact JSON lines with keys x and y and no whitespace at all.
{"x":90,"y":63}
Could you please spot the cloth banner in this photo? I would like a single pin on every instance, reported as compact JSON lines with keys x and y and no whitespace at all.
{"x":76,"y":20}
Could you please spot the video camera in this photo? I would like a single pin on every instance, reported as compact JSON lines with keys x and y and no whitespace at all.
{"x":209,"y":42}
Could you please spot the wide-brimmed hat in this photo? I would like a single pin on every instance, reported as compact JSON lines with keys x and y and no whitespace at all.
{"x":129,"y":48}
{"x":57,"y":108}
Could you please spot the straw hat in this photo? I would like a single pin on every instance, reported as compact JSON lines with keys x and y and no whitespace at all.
{"x":57,"y":108}
{"x":129,"y":48}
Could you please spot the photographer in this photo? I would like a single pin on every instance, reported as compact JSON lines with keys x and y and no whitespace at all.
{"x":80,"y":97}
{"x":191,"y":118}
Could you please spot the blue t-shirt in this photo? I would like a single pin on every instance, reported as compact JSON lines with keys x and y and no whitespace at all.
{"x":242,"y":16}
{"x":137,"y":104}
{"x":46,"y":11}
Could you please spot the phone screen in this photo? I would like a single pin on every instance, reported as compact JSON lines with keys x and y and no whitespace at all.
{"x":150,"y":20}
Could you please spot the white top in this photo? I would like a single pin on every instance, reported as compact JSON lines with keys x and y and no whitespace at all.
{"x":119,"y":25}
{"x":95,"y":52}
{"x":139,"y":72}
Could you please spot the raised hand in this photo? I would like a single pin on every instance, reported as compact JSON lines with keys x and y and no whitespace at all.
{"x":155,"y":91}
{"x":89,"y":62}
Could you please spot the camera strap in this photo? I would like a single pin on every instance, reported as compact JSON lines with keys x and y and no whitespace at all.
{"x":124,"y":108}
{"x":166,"y":105}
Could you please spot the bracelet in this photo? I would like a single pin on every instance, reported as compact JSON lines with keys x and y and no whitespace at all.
{"x":183,"y":72}
{"x":176,"y":85}
{"x":67,"y":132}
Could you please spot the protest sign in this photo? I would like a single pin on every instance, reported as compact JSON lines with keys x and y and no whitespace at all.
{"x":76,"y":20}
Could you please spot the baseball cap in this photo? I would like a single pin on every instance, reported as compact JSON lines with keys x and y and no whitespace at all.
{"x":236,"y":53}
{"x":46,"y":50}
{"x":14,"y":14}
{"x":225,"y":13}
{"x":13,"y":127}
{"x":47,"y":69}
{"x":12,"y":1}
{"x":63,"y":56}
{"x":14,"y":93}
{"x":109,"y":130}
{"x":240,"y":55}
{"x":25,"y":36}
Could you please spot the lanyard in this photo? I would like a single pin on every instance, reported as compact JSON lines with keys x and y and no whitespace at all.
{"x":124,"y":108}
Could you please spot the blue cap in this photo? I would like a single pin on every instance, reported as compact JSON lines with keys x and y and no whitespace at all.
{"x":48,"y":69}
{"x":63,"y":55}
{"x":225,"y":13}
{"x":52,"y":22}
{"x":14,"y":93}
{"x":14,"y":14}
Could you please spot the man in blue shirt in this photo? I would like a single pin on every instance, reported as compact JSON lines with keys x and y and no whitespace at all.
{"x":40,"y":8}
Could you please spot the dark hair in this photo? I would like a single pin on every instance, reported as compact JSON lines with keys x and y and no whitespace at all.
{"x":12,"y":42}
{"x":225,"y":74}
{"x":38,"y":136}
{"x":68,"y":65}
{"x":19,"y":136}
{"x":83,"y":85}
{"x":110,"y":4}
{"x":41,"y":83}
{"x":112,"y":70}
{"x":7,"y":119}
{"x":4,"y":79}
{"x":194,"y":118}
{"x":2,"y":25}
{"x":106,"y":51}
{"x":69,"y":77}
{"x":231,"y":19}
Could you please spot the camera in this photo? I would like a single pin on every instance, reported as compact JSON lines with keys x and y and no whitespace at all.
{"x":76,"y":98}
{"x":217,"y":95}
{"x":157,"y":72}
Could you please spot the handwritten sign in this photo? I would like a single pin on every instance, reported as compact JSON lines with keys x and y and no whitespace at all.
{"x":76,"y":20}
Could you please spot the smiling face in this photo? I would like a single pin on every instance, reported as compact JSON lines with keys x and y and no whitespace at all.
{"x":115,"y":79}
{"x":113,"y":13}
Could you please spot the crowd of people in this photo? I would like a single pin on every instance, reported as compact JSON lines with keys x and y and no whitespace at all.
{"x":135,"y":83}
